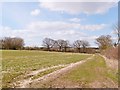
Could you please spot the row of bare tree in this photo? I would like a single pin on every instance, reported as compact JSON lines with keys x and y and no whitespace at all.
{"x":49,"y":44}
{"x":62,"y":45}
{"x":103,"y":41}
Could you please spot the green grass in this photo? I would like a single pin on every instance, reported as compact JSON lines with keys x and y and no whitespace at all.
{"x":94,"y":69}
{"x":16,"y":62}
{"x":31,"y":60}
{"x":88,"y":71}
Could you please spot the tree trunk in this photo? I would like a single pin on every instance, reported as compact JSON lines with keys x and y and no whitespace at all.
{"x":79,"y":50}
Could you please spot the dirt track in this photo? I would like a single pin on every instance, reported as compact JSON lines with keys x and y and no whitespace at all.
{"x":26,"y":83}
{"x":51,"y":77}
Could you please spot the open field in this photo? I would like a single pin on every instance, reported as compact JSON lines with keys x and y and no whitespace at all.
{"x":15,"y":64}
{"x":56,"y":69}
{"x":59,"y":44}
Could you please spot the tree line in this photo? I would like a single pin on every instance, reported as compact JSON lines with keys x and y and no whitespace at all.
{"x":17,"y":43}
{"x":63,"y":45}
{"x":103,"y":42}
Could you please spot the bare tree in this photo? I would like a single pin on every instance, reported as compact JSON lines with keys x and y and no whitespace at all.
{"x":48,"y":43}
{"x":62,"y":44}
{"x":17,"y":43}
{"x":84,"y":44}
{"x":117,"y":32}
{"x":77,"y":44}
{"x":7,"y":43}
{"x":66,"y":45}
{"x":104,"y":42}
{"x":12,"y":43}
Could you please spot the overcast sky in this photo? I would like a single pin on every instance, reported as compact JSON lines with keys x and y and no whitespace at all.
{"x":33,"y":21}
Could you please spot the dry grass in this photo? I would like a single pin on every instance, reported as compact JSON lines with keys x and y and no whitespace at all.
{"x":111,"y":53}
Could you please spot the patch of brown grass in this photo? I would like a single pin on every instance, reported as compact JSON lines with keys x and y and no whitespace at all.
{"x":111,"y":53}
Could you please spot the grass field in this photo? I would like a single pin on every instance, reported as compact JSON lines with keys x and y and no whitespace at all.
{"x":92,"y":74}
{"x":17,"y":63}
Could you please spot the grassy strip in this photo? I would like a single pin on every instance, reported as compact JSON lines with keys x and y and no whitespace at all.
{"x":93,"y":70}
{"x":88,"y":71}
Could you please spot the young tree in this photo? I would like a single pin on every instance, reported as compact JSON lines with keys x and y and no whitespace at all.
{"x":48,"y":43}
{"x":104,"y":42}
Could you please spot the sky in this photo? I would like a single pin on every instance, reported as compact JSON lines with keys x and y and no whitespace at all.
{"x":71,"y":20}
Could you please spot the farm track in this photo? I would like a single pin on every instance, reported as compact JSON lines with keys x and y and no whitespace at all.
{"x":31,"y":74}
{"x":26,"y":83}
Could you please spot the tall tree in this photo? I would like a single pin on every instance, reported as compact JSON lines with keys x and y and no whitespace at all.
{"x":12,"y":43}
{"x":48,"y":43}
{"x":66,"y":45}
{"x":62,"y":44}
{"x":1,"y":44}
{"x":17,"y":43}
{"x":104,"y":42}
{"x":7,"y":42}
{"x":77,"y":44}
{"x":84,"y":44}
